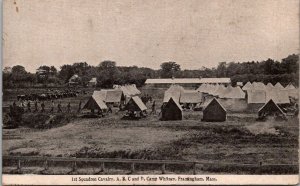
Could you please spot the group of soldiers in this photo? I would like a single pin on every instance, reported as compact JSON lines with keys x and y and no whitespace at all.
{"x":27,"y":106}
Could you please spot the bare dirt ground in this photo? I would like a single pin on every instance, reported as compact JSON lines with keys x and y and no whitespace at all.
{"x":239,"y":140}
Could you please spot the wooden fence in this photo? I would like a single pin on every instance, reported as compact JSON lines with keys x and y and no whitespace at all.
{"x":132,"y":162}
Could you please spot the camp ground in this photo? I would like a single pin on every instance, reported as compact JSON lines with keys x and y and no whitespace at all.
{"x":209,"y":117}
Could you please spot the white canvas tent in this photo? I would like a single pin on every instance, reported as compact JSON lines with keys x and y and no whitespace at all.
{"x":278,"y":86}
{"x":278,"y":96}
{"x":233,"y":93}
{"x":256,"y":96}
{"x":190,"y":96}
{"x":247,"y":86}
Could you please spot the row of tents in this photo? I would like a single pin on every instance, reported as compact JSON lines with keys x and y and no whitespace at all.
{"x":252,"y":98}
{"x":215,"y":112}
{"x":120,"y":96}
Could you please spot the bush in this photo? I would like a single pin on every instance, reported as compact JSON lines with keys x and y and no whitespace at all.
{"x":46,"y":121}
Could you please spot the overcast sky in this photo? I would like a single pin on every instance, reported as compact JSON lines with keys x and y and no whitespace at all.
{"x":193,"y":33}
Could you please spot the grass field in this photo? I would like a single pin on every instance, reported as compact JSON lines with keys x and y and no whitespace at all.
{"x":239,"y":140}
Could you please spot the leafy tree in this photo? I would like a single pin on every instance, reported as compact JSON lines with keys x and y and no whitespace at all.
{"x":168,"y":69}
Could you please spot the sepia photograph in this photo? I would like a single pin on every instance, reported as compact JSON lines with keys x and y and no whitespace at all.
{"x":150,"y":92}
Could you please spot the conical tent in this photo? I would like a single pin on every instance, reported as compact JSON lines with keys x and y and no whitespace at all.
{"x":258,"y":86}
{"x":220,"y":90}
{"x":174,"y":92}
{"x":290,"y":87}
{"x":171,"y":94}
{"x":270,"y":108}
{"x":171,"y":111}
{"x":135,"y":104}
{"x":247,"y":86}
{"x":95,"y":103}
{"x":175,"y":88}
{"x":201,"y":88}
{"x":269,"y":86}
{"x":278,"y":86}
{"x":214,"y":111}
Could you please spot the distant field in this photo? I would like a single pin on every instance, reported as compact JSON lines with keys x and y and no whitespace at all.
{"x":239,"y":140}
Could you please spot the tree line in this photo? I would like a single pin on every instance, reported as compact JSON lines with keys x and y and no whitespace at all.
{"x":108,"y":73}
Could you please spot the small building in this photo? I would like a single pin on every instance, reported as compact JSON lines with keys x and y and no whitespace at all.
{"x":171,"y":111}
{"x":270,"y":109}
{"x":214,"y":112}
{"x":92,"y":82}
{"x":74,"y":80}
{"x":186,"y":82}
{"x":95,"y":103}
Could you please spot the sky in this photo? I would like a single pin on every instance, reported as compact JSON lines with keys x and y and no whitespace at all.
{"x":193,"y":33}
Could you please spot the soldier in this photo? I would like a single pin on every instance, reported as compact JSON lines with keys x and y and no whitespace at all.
{"x":79,"y":107}
{"x":59,"y":107}
{"x":52,"y":106}
{"x":28,"y":106}
{"x":43,"y":107}
{"x":22,"y":105}
{"x":109,"y":109}
{"x":69,"y":107}
{"x":36,"y":106}
{"x":153,"y":108}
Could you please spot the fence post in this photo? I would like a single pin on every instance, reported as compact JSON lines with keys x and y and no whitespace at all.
{"x":194,"y":168}
{"x":74,"y":166}
{"x":46,"y":165}
{"x":19,"y":165}
{"x":102,"y":169}
{"x":132,"y":168}
{"x":163,"y":168}
{"x":260,"y":167}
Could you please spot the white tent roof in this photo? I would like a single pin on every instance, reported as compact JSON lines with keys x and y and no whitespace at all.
{"x":258,"y":86}
{"x":191,"y":96}
{"x":139,"y":102}
{"x":256,"y":96}
{"x":235,"y":93}
{"x":279,"y":86}
{"x":247,"y":86}
{"x":290,"y":87}
{"x":278,"y":96}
